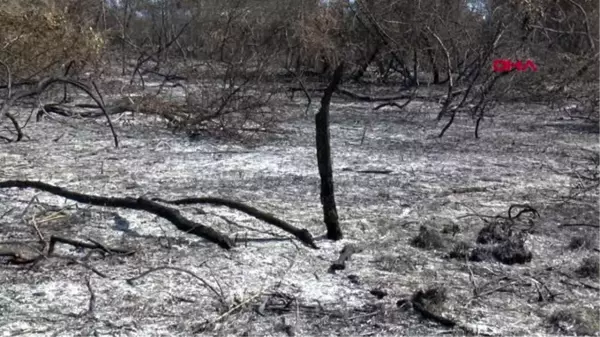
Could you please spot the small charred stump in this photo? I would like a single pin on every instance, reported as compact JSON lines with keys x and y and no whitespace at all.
{"x":345,"y":255}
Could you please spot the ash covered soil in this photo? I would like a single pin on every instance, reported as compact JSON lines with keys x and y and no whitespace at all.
{"x":389,"y":184}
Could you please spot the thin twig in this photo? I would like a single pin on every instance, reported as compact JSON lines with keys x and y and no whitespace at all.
{"x":185,"y":271}
{"x":83,"y":264}
{"x":228,"y":312}
{"x":579,"y":225}
{"x":37,"y":230}
{"x":92,"y":302}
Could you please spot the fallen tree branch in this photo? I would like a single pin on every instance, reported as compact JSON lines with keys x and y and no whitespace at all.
{"x":302,"y":234}
{"x":347,"y":169}
{"x":92,"y":302}
{"x":391,"y":103}
{"x":220,"y":295}
{"x":113,"y":108}
{"x":83,"y":264}
{"x":141,"y":203}
{"x":80,"y":244}
{"x":579,"y":225}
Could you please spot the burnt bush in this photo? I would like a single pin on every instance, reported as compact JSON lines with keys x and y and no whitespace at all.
{"x":508,"y":252}
{"x":428,"y":239}
{"x":495,"y":232}
{"x":589,"y":267}
{"x":461,"y":250}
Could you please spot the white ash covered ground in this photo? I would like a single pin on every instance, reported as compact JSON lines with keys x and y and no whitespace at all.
{"x":270,"y":285}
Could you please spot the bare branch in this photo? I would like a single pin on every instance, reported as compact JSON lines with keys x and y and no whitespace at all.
{"x":41,"y":87}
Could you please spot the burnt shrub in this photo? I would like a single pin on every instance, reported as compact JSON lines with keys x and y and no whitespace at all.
{"x":428,"y":239}
{"x":509,"y":252}
{"x":589,"y":267}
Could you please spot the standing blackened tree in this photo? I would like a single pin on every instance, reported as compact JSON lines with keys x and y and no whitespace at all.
{"x":330,"y":216}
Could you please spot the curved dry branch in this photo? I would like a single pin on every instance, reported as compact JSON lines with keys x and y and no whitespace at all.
{"x":140,"y":203}
{"x":449,"y":96}
{"x":16,"y":125}
{"x":302,"y":234}
{"x":185,"y":271}
{"x":40,"y":88}
{"x":586,"y":24}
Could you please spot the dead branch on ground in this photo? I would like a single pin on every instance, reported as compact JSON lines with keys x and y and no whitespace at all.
{"x":80,"y":244}
{"x":219,"y":294}
{"x":141,"y":203}
{"x":170,"y":214}
{"x":302,"y":234}
{"x":92,"y":301}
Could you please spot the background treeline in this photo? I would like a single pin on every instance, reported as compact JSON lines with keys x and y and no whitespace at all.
{"x":405,"y":43}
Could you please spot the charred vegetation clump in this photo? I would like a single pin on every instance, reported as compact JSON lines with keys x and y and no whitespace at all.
{"x":428,"y":238}
{"x":589,"y":267}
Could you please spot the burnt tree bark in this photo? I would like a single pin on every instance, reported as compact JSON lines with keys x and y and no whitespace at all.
{"x":434,"y":68}
{"x":330,"y":216}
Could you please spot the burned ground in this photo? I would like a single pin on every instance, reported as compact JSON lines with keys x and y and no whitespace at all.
{"x":271,"y":285}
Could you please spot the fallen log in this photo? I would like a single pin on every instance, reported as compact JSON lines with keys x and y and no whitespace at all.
{"x":141,"y":203}
{"x":302,"y":234}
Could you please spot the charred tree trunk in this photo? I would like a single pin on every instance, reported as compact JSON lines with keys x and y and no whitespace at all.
{"x":415,"y":79}
{"x":434,"y":68}
{"x":330,"y":216}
